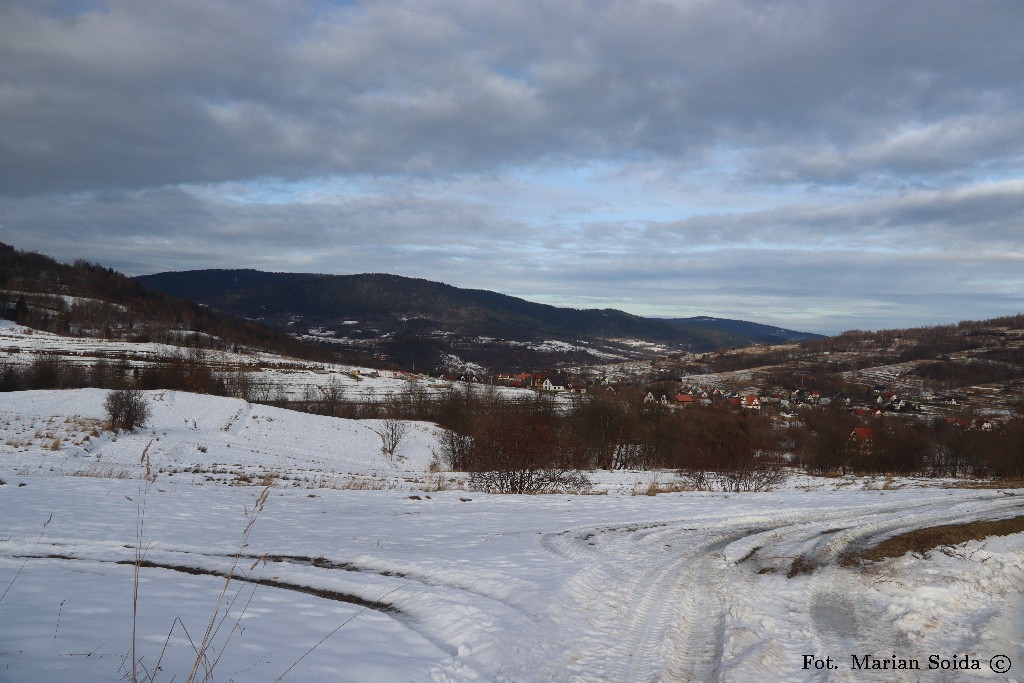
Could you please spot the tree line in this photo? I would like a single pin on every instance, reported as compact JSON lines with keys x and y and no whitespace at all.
{"x":488,"y":430}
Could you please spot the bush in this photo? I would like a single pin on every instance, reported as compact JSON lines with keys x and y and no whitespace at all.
{"x":525,"y":480}
{"x":510,"y":455}
{"x":126,"y":409}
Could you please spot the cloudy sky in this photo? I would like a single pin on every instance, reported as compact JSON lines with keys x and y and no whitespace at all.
{"x":818,"y":165}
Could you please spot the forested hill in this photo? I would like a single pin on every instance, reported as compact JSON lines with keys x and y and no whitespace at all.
{"x":392,"y":303}
{"x":88,"y":300}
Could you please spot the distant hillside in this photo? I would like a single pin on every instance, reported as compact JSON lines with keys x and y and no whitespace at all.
{"x":89,"y":300}
{"x":755,"y":332}
{"x":391,"y":304}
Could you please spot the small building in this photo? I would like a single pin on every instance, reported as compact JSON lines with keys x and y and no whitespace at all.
{"x":554,"y":383}
{"x":862,"y":436}
{"x":658,"y":396}
{"x":576,"y":386}
{"x":685,"y":400}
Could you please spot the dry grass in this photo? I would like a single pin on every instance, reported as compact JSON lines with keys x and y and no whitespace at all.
{"x":987,"y":484}
{"x":102,"y":473}
{"x":654,"y":487}
{"x":365,"y":483}
{"x":436,"y":481}
{"x":924,"y":540}
{"x":53,"y":433}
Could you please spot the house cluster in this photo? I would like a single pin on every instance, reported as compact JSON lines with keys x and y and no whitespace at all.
{"x":465,"y":376}
{"x":543,"y":381}
{"x":708,"y":396}
{"x":885,"y":399}
{"x":881,"y":401}
{"x":981,"y":423}
{"x":863,"y":437}
{"x":684,"y":397}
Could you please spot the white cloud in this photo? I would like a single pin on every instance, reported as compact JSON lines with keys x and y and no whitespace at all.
{"x":771,"y":155}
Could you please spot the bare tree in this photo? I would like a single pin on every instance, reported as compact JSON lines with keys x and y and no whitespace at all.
{"x":332,"y":397}
{"x":455,"y":449}
{"x":391,"y":432}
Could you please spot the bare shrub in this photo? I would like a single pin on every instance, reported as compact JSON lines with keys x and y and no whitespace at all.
{"x":438,"y":482}
{"x":526,"y":457}
{"x":761,"y":473}
{"x":726,"y":451}
{"x":126,"y":409}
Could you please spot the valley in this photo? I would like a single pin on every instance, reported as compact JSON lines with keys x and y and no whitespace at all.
{"x":288,"y":511}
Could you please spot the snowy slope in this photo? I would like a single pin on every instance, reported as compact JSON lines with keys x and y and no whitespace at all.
{"x":405,"y":585}
{"x":295,"y":378}
{"x":202,"y":438}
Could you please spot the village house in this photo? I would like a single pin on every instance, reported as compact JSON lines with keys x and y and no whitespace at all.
{"x":659,"y":396}
{"x":576,"y":386}
{"x":555,"y":383}
{"x":685,"y":400}
{"x":862,"y":436}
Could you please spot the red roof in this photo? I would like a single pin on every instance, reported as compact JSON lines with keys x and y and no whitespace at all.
{"x":862,"y":434}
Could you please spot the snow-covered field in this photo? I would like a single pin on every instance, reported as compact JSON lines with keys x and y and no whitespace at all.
{"x":357,"y":569}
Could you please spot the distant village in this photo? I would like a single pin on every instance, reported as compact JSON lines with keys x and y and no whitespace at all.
{"x":780,"y":405}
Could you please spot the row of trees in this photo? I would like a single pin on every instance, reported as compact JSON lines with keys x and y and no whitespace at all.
{"x":185,"y":370}
{"x":490,"y":431}
{"x":825,"y":443}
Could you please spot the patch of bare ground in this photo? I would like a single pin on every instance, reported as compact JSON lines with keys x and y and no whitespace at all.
{"x":929,"y":538}
{"x":800,"y":566}
{"x":273,"y":583}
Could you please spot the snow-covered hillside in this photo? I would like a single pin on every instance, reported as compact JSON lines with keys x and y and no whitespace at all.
{"x":285,"y":377}
{"x":353,"y":571}
{"x":199,"y":438}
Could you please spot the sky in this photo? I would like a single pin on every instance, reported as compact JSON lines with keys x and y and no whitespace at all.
{"x":823,"y":166}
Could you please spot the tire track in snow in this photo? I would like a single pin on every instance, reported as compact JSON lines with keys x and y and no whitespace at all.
{"x":679,"y":601}
{"x":652,"y":603}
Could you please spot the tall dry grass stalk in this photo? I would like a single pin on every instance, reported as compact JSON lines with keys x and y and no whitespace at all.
{"x":27,"y":558}
{"x":220,"y":611}
{"x":140,"y":522}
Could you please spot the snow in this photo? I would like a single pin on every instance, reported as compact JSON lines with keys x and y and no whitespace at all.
{"x":398,"y":583}
{"x":21,"y":345}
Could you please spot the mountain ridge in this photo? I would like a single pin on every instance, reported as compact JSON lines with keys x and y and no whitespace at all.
{"x":394,"y":304}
